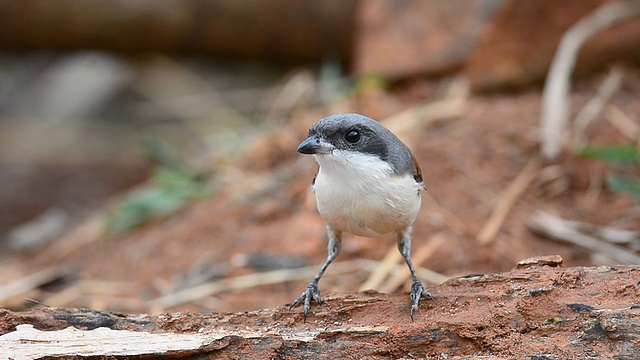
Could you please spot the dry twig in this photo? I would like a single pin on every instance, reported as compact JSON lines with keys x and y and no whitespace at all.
{"x":391,"y":260}
{"x":623,"y":123}
{"x":297,"y":89}
{"x":256,"y":279}
{"x":554,"y":115}
{"x":453,"y":104}
{"x":377,"y":276}
{"x":31,"y":282}
{"x":596,"y":105}
{"x":574,"y":232}
{"x":94,"y":288}
{"x":420,"y":256}
{"x":506,"y":201}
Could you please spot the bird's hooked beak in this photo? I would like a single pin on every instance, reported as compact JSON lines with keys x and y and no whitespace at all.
{"x":314,"y":145}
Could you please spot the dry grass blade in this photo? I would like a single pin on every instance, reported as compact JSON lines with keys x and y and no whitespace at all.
{"x":252,"y":280}
{"x":420,"y":256}
{"x":88,"y":288}
{"x":569,"y":231}
{"x":453,"y":104}
{"x":377,"y":276}
{"x":608,"y":234}
{"x":31,"y":282}
{"x":554,"y":117}
{"x":596,"y":105}
{"x":506,"y":201}
{"x":283,"y":100}
{"x":623,"y":122}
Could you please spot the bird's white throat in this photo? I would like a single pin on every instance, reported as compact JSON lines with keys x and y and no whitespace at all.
{"x":353,"y":166}
{"x":360,"y":194}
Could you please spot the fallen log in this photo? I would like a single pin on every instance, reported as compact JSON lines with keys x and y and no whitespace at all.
{"x":537,"y":310}
{"x":282,"y":30}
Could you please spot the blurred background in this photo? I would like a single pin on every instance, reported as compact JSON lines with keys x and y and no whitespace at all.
{"x":147,"y":148}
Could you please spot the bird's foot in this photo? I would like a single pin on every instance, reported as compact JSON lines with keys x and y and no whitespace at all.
{"x":310,"y":293}
{"x":418,"y":291}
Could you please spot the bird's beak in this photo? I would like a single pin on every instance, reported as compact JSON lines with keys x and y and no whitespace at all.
{"x":314,"y":145}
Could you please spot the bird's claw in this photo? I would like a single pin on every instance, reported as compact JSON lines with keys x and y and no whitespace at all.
{"x":418,"y":291}
{"x":310,"y":293}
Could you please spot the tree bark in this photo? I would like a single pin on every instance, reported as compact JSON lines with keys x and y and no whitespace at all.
{"x":539,"y":310}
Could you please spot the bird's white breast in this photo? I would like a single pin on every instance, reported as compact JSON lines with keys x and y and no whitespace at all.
{"x":359,"y":193}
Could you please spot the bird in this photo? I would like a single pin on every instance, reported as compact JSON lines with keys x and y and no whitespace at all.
{"x":368,"y":184}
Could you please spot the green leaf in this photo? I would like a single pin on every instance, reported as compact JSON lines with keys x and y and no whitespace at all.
{"x":173,"y":185}
{"x":623,"y":184}
{"x":553,"y":320}
{"x":367,"y":82}
{"x":162,"y":153}
{"x":617,"y":154}
{"x":169,"y":191}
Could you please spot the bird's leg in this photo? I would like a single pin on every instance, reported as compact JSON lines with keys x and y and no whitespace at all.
{"x":417,"y":288}
{"x":312,"y":292}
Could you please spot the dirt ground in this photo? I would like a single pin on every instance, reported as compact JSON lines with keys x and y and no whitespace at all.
{"x":263,"y":217}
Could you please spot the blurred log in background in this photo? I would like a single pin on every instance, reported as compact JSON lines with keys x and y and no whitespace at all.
{"x":496,"y":43}
{"x":281,"y":30}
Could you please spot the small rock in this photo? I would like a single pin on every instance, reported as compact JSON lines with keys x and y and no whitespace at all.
{"x":40,"y":231}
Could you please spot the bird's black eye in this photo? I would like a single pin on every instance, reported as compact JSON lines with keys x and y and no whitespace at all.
{"x":353,"y":136}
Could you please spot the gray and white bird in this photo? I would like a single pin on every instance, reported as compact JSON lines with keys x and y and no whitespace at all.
{"x":368,"y":184}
